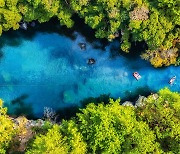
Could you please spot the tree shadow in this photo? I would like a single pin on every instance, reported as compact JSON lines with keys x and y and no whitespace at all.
{"x":71,"y":111}
{"x":15,"y":38}
{"x":21,"y":108}
{"x":134,"y":53}
{"x":1,"y":55}
{"x":102,"y":98}
{"x":143,"y":91}
{"x":11,"y":38}
{"x":67,"y":112}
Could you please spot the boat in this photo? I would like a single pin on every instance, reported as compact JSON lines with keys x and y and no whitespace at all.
{"x":91,"y":61}
{"x":82,"y":46}
{"x":171,"y":81}
{"x":136,"y":75}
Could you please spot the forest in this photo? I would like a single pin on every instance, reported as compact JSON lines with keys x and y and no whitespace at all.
{"x":150,"y":126}
{"x":154,"y":23}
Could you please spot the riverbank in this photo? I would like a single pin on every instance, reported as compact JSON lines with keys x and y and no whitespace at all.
{"x":140,"y":21}
{"x":146,"y":124}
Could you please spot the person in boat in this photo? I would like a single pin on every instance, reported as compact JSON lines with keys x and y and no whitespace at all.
{"x":91,"y":61}
{"x":82,"y":46}
{"x":137,"y":75}
{"x":23,"y":25}
{"x":171,"y":81}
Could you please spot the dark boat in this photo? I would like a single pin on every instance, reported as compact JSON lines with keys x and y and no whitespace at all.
{"x":82,"y":46}
{"x":171,"y":81}
{"x":136,"y":75}
{"x":91,"y":61}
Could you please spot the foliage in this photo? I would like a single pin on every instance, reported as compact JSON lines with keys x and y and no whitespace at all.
{"x":145,"y":20}
{"x":59,"y":139}
{"x":74,"y":137}
{"x":162,"y":114}
{"x":6,"y":129}
{"x":114,"y":129}
{"x":178,"y":62}
{"x":12,"y":12}
{"x":53,"y":143}
{"x":161,"y":57}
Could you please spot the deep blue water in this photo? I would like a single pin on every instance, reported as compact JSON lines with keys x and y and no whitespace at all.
{"x":50,"y":70}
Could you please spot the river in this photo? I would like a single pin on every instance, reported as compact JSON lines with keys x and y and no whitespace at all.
{"x":49,"y":69}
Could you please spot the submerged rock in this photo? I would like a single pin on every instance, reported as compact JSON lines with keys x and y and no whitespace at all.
{"x":140,"y":101}
{"x":68,"y":96}
{"x":127,"y":103}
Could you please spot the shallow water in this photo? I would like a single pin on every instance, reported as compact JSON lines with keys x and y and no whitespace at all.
{"x":50,"y":70}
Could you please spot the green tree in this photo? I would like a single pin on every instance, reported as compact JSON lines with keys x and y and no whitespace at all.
{"x":114,"y":129}
{"x":53,"y":143}
{"x":7,"y":130}
{"x":162,"y":114}
{"x":61,"y":139}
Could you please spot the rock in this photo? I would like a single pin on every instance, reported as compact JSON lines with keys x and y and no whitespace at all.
{"x":155,"y":96}
{"x":23,"y":26}
{"x":127,"y":103}
{"x":140,"y":101}
{"x":39,"y":123}
{"x":33,"y":24}
{"x":116,"y":34}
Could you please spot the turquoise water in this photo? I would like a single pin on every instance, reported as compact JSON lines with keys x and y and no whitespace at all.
{"x":50,"y":70}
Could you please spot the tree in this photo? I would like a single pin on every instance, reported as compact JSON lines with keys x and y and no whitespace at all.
{"x":53,"y":143}
{"x":114,"y":129}
{"x":61,"y":139}
{"x":162,"y":114}
{"x":7,"y":130}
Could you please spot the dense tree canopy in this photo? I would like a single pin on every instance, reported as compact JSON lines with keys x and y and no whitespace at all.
{"x":60,"y":140}
{"x":162,"y":114}
{"x":156,"y":22}
{"x":6,"y":129}
{"x":114,"y":129}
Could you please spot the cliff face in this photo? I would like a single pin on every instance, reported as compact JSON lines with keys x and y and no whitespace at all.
{"x":25,"y":132}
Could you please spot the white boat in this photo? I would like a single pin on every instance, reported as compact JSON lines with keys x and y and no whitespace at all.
{"x":171,"y":81}
{"x":137,"y":75}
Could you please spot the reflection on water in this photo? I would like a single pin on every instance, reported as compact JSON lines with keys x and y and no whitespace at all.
{"x":52,"y":71}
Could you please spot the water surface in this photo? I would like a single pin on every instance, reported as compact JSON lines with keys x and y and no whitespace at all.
{"x":50,"y":70}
